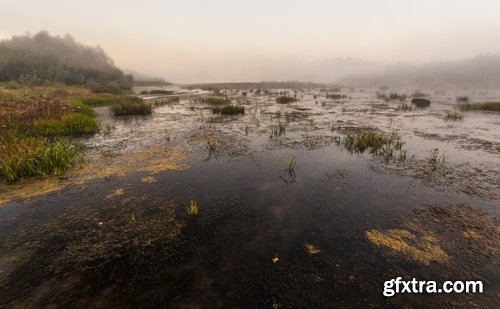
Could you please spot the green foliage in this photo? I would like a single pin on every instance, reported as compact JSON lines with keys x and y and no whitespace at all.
{"x":285,"y":99}
{"x":44,"y":59}
{"x":68,"y":125}
{"x":129,"y":107}
{"x":35,"y":156}
{"x":488,"y":106}
{"x":228,"y":110}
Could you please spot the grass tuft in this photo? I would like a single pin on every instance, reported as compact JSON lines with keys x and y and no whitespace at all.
{"x":228,"y":110}
{"x":387,"y":146}
{"x":435,"y":160}
{"x":285,"y":99}
{"x":193,"y":208}
{"x":132,"y":108}
{"x":454,"y":115}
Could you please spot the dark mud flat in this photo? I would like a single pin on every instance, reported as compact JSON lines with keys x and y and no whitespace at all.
{"x":339,"y":224}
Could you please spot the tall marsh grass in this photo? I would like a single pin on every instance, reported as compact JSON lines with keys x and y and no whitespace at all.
{"x":22,"y":157}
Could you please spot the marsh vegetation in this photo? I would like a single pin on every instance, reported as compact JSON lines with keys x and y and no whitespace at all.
{"x":487,"y":106}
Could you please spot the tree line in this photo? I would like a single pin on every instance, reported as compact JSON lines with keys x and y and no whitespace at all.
{"x":44,"y":59}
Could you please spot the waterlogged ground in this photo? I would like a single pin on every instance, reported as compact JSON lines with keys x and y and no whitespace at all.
{"x":327,"y":233}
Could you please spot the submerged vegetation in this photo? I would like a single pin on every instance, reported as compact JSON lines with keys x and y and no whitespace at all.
{"x":487,"y":106}
{"x":288,"y":172}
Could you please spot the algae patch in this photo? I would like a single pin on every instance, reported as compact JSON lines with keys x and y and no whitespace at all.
{"x":117,"y":192}
{"x":149,"y":179}
{"x":424,"y":249}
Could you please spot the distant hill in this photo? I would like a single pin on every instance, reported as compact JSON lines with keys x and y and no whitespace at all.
{"x":483,"y":70}
{"x":43,"y":58}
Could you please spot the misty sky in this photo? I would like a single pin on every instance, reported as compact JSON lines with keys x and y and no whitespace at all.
{"x":233,"y":40}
